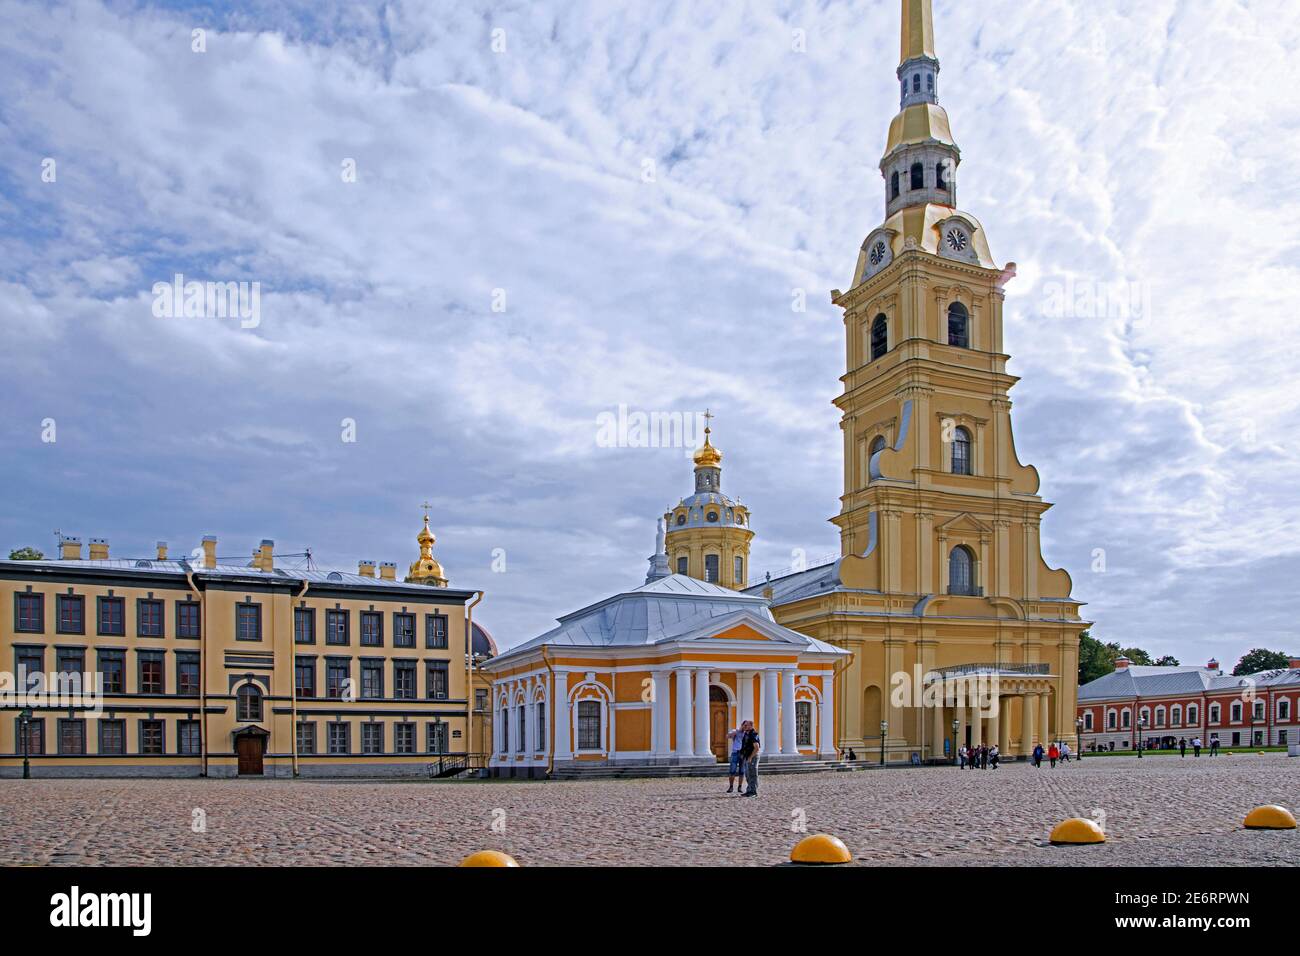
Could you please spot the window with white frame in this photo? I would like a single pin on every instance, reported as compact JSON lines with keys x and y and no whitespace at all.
{"x":588,"y":725}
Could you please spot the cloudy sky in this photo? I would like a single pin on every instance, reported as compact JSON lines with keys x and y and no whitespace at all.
{"x":561,"y":208}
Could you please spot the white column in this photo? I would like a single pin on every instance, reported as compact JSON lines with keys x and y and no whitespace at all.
{"x":826,"y":722}
{"x":768,"y":713}
{"x":530,"y":727}
{"x":702,"y":748}
{"x":560,"y":710}
{"x":685,"y":725}
{"x":659,"y":716}
{"x":745,"y":681}
{"x":788,"y":746}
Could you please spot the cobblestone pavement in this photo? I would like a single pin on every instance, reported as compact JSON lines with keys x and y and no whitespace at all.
{"x":1162,"y":811}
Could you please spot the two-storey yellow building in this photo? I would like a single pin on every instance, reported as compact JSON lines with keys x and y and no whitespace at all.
{"x":206,"y":667}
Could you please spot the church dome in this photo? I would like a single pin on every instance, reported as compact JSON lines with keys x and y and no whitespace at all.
{"x":706,"y":456}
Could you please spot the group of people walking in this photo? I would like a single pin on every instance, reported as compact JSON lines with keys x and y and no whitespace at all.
{"x":742,"y":770}
{"x":1196,"y":745}
{"x":983,"y":757}
{"x":1054,"y":752}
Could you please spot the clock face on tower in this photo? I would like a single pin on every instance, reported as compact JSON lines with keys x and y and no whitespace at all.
{"x":956,"y":240}
{"x":878,"y":253}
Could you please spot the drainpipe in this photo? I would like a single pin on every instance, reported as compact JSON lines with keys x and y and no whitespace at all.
{"x":293,"y":681}
{"x":203,"y":672}
{"x":550,"y":731}
{"x":469,"y":676}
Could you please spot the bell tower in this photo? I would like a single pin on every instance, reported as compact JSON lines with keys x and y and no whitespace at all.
{"x":708,"y":533}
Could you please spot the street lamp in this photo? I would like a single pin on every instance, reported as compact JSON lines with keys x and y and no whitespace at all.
{"x":884,"y":729}
{"x":24,"y":720}
{"x":1078,"y":737}
{"x":1142,"y":732}
{"x":955,"y":724}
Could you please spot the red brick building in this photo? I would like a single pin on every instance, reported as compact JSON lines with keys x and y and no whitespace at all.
{"x":1164,"y":705}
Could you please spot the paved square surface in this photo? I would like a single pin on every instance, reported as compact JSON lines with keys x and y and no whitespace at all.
{"x":1161,"y":811}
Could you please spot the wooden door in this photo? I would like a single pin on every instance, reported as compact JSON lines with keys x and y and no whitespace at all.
{"x":718,"y":727}
{"x":249,"y":748}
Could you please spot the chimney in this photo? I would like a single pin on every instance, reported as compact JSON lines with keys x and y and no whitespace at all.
{"x":388,"y":571}
{"x":1213,"y":665}
{"x":1294,"y":663}
{"x":162,"y":550}
{"x":366,"y":569}
{"x":209,"y":551}
{"x":1122,"y":663}
{"x":263,"y":559}
{"x":99,"y":549}
{"x":69,"y":549}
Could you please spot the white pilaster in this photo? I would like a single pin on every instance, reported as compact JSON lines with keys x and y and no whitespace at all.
{"x":560,"y":709}
{"x":745,"y":679}
{"x":662,"y":745}
{"x":826,"y":721}
{"x":702,"y":748}
{"x":685,"y":725}
{"x":788,"y":746}
{"x":530,"y":726}
{"x":768,"y":713}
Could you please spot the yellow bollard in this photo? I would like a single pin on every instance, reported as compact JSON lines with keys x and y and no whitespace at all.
{"x":1270,"y":817}
{"x":489,"y":858}
{"x":821,"y":848}
{"x":1076,"y":831}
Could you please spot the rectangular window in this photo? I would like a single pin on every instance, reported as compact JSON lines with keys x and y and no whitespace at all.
{"x":112,"y":736}
{"x":372,"y":679}
{"x":802,"y":723}
{"x":148,"y":618}
{"x":372,"y":629}
{"x":372,"y":738}
{"x":29,"y":662}
{"x":403,"y":630}
{"x":480,"y":699}
{"x":151,"y":672}
{"x":682,"y":564}
{"x":435,"y":631}
{"x":72,"y":736}
{"x":338,"y":678}
{"x":71,"y":610}
{"x":187,"y":674}
{"x":1236,"y":713}
{"x":187,"y":619}
{"x":188,"y":737}
{"x":306,"y":737}
{"x":304,"y":676}
{"x":437,"y":734}
{"x":404,"y":738}
{"x":112,"y":617}
{"x":438,"y":680}
{"x":340,"y":738}
{"x":589,"y":725}
{"x":541,"y":725}
{"x":739,"y":570}
{"x":71,"y":660}
{"x":304,"y":625}
{"x":35,"y":735}
{"x":29,"y":612}
{"x":1191,"y":714}
{"x":112,"y":670}
{"x":151,"y":736}
{"x":404,"y":680}
{"x":336,"y":627}
{"x":711,"y":568}
{"x":248,"y":622}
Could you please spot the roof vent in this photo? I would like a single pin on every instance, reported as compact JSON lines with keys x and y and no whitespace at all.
{"x":333,"y":576}
{"x":144,"y":564}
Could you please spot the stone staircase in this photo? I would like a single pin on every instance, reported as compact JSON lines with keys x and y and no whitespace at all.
{"x":769,"y":765}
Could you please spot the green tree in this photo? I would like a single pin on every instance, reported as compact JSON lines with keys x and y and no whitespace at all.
{"x":25,"y":554}
{"x":1257,"y":659}
{"x":1095,"y":658}
{"x":1136,"y":655}
{"x":1167,"y":661}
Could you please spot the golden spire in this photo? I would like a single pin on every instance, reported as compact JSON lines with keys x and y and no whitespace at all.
{"x":426,"y":570}
{"x":918,"y":30}
{"x":706,"y":456}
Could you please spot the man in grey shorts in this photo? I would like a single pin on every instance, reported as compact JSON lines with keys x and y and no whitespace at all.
{"x":736,"y":766}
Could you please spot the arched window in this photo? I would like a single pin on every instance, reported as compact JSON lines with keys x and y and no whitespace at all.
{"x":916,"y":83}
{"x":961,"y":571}
{"x":248,"y":703}
{"x":958,"y":326}
{"x":918,"y":176}
{"x":939,"y":180}
{"x":929,"y":82}
{"x":961,"y":457}
{"x":894,"y":189}
{"x":803,"y":723}
{"x":681,"y":519}
{"x":711,"y":568}
{"x":879,"y":337}
{"x":877,"y":445}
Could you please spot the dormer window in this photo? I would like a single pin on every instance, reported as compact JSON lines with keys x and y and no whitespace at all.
{"x":681,"y":520}
{"x":713,"y":516}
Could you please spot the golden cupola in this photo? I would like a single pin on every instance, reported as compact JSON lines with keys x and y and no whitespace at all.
{"x":706,"y":456}
{"x":426,"y":570}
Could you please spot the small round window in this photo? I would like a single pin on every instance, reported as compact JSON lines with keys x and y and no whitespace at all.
{"x":713,"y":516}
{"x":681,"y":519}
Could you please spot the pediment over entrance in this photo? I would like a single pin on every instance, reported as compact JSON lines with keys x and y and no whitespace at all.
{"x":964,"y":523}
{"x":741,"y":632}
